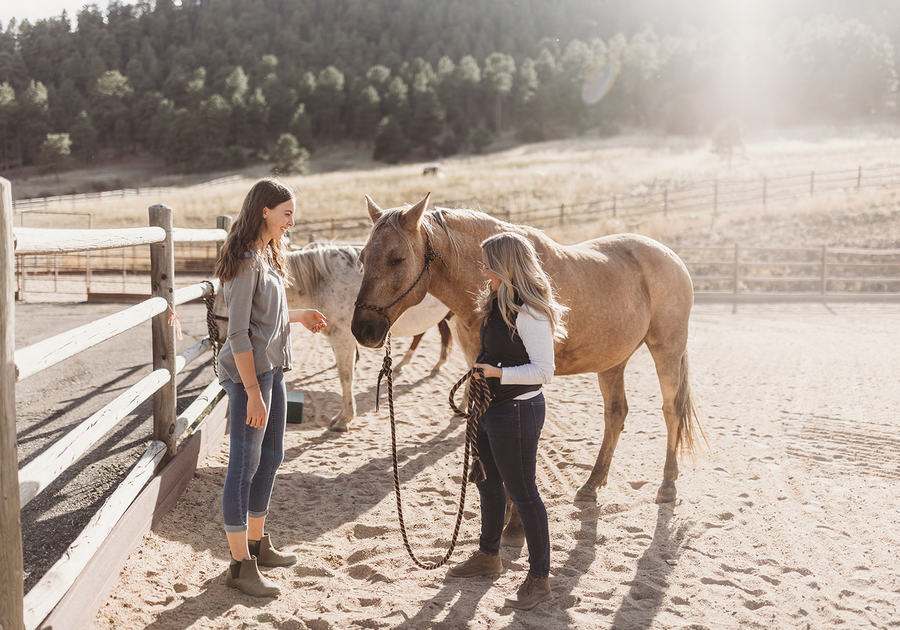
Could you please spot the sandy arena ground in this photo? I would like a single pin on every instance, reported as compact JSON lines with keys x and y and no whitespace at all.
{"x":790,"y":520}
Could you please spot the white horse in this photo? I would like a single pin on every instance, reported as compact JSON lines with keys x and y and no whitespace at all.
{"x":327,"y":277}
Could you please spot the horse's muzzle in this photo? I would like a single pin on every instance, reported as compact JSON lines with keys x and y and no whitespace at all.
{"x":369,"y":328}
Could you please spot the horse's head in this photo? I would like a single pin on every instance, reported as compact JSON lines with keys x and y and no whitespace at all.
{"x":396,"y":270}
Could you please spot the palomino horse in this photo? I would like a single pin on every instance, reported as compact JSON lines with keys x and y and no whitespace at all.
{"x":622,"y":290}
{"x":327,"y":277}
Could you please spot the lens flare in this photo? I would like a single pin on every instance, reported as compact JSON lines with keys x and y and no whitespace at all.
{"x":599,"y":81}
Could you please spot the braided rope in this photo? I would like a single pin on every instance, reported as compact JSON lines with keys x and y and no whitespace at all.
{"x":212,"y":325}
{"x":479,"y":401}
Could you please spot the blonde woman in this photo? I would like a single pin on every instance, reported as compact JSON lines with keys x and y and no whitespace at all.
{"x":521,"y":320}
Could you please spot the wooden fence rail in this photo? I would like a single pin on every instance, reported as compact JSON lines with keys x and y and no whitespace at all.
{"x":55,"y":591}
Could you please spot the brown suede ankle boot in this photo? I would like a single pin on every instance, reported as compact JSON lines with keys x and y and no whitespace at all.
{"x":267,"y":555}
{"x":245,"y":577}
{"x":532,"y":592}
{"x":478,"y":565}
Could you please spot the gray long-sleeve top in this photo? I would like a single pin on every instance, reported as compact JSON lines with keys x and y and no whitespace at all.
{"x":258,"y":319}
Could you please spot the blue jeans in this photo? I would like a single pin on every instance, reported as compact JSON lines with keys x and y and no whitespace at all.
{"x":507,"y":444}
{"x":255,"y":454}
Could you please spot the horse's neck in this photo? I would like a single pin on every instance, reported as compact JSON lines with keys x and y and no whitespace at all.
{"x":456,"y":281}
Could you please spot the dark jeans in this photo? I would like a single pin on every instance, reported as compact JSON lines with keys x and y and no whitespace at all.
{"x":255,"y":454}
{"x":507,"y":444}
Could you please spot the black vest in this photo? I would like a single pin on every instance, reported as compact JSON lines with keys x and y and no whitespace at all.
{"x":501,"y":346}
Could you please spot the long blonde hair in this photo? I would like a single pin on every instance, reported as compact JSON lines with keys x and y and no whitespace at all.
{"x":266,"y":193}
{"x":513,"y":259}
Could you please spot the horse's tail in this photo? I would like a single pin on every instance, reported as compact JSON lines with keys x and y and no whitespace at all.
{"x":689,"y":429}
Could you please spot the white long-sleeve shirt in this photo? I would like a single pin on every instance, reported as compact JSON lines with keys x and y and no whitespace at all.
{"x":537,"y":337}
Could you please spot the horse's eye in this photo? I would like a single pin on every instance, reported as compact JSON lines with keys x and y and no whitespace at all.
{"x":395,"y":261}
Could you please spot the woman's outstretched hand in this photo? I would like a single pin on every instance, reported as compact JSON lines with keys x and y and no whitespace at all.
{"x":489,"y":370}
{"x":312,"y":319}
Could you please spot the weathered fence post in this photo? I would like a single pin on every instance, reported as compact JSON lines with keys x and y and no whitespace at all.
{"x":12,"y":573}
{"x":666,"y":201}
{"x":824,"y":277}
{"x":87,"y":261}
{"x":765,"y":190}
{"x":858,"y":178}
{"x":737,"y":273}
{"x":716,"y":196}
{"x":812,"y":182}
{"x":614,"y":204}
{"x":223,"y":222}
{"x":162,"y":284}
{"x":562,"y":214}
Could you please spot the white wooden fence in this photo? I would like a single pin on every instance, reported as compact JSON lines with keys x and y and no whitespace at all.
{"x":57,"y":599}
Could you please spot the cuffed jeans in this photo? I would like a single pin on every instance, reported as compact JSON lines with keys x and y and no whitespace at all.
{"x":255,"y":454}
{"x":507,"y":444}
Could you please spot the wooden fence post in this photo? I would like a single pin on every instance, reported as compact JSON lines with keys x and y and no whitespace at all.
{"x":87,"y":261}
{"x":162,"y":284}
{"x":858,"y":178}
{"x":12,"y":573}
{"x":562,"y":214}
{"x":666,"y":201}
{"x":812,"y":182}
{"x":614,"y":204}
{"x":223,"y":222}
{"x":716,"y":196}
{"x":765,"y":190}
{"x":824,"y":277}
{"x":737,"y":273}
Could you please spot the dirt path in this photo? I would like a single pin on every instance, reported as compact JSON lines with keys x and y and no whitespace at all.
{"x":790,"y":519}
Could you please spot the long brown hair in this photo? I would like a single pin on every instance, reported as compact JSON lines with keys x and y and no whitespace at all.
{"x":513,"y":259}
{"x":266,"y":193}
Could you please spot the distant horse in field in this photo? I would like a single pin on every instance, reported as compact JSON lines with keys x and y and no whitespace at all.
{"x":327,"y":277}
{"x":622,"y":290}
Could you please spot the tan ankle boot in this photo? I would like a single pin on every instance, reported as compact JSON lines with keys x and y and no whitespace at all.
{"x":478,"y":565}
{"x":267,"y":555}
{"x":532,"y":592}
{"x":245,"y":577}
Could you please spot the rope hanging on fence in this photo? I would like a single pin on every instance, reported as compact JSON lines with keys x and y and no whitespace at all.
{"x":212,"y":326}
{"x":175,"y":322}
{"x":479,"y":400}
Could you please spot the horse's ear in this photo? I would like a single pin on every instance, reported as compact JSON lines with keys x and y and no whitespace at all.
{"x":374,"y":211}
{"x":411,"y":219}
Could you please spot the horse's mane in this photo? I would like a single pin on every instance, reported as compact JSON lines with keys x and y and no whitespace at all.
{"x":436,"y":219}
{"x":316,"y":262}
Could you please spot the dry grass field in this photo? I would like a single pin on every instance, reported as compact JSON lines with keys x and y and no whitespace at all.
{"x":569,"y":171}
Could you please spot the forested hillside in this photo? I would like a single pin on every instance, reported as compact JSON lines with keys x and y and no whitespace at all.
{"x":212,"y":83}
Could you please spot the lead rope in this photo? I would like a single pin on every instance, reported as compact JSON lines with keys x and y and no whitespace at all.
{"x":211,"y":325}
{"x":479,"y":400}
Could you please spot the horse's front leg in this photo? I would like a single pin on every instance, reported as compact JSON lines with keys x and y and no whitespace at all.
{"x":345,"y":353}
{"x":615,"y":408}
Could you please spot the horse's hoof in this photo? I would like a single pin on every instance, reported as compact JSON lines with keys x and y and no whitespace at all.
{"x":512,"y":538}
{"x":339,"y":425}
{"x":586,"y":493}
{"x":666,"y":493}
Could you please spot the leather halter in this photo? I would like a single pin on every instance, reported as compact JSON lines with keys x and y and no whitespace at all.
{"x":430,"y":256}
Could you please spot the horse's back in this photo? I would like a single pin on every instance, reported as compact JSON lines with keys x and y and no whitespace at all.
{"x":619,"y":289}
